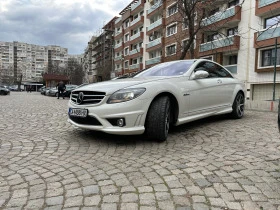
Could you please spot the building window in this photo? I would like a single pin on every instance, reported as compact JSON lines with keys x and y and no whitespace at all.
{"x":170,"y":50}
{"x":232,"y":31}
{"x":126,"y":37}
{"x":214,"y":11}
{"x":126,"y":24}
{"x":233,"y":3}
{"x":268,"y":57}
{"x":272,"y":21}
{"x":232,"y":59}
{"x":126,"y":64}
{"x":152,"y":55}
{"x":172,"y":10}
{"x":213,"y":37}
{"x":171,"y":30}
{"x":126,"y":51}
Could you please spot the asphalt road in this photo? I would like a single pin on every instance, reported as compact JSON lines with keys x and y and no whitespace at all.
{"x":216,"y":163}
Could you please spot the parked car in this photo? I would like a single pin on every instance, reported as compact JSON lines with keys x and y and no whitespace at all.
{"x":69,"y":89}
{"x":67,"y":92}
{"x":168,"y":94}
{"x":52,"y":92}
{"x":41,"y":88}
{"x":4,"y":90}
{"x":46,"y":91}
{"x":13,"y":88}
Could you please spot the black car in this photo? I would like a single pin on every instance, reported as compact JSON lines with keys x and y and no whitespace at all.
{"x":4,"y":90}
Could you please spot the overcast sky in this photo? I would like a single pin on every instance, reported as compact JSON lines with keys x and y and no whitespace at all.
{"x":66,"y":23}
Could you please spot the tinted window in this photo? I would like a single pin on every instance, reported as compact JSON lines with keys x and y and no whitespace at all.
{"x":213,"y":69}
{"x":168,"y":69}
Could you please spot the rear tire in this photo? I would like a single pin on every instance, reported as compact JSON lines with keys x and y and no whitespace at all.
{"x":158,"y":119}
{"x":238,"y":106}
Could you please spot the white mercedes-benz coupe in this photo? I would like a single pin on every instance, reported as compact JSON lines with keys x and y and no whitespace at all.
{"x":168,"y":94}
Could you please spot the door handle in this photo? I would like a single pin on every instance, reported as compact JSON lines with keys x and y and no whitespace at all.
{"x":219,"y":81}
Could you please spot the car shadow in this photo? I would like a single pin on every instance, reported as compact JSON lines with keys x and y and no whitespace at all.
{"x":127,"y":140}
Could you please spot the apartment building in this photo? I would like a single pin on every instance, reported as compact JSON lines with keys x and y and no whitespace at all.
{"x":237,"y":34}
{"x":29,"y":60}
{"x":102,"y":52}
{"x":89,"y":62}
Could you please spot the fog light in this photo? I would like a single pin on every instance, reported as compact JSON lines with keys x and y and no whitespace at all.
{"x":120,"y":122}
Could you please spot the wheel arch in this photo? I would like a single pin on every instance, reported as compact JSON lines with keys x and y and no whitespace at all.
{"x":174,"y":106}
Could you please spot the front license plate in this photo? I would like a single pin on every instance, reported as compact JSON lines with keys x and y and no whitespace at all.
{"x":78,"y":112}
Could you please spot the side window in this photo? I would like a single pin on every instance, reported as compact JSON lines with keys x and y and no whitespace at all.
{"x":213,"y":69}
{"x":222,"y":72}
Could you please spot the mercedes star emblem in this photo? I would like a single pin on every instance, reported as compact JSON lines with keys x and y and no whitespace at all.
{"x":80,"y":98}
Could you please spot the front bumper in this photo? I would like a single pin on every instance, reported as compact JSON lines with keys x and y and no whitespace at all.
{"x":134,"y":112}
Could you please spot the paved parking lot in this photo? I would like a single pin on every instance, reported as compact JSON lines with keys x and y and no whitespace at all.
{"x":215,"y":163}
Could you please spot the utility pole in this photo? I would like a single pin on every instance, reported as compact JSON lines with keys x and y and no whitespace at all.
{"x":275,"y":62}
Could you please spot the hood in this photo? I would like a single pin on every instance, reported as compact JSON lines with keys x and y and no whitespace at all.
{"x":113,"y":85}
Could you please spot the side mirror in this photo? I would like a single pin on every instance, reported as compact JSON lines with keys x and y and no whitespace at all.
{"x":200,"y":74}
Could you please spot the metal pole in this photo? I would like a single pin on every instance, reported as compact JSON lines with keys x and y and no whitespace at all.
{"x":274,"y":77}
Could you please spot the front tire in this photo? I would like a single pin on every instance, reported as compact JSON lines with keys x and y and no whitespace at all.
{"x":158,"y":119}
{"x":238,"y":106}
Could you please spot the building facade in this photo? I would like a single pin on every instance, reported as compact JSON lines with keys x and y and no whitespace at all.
{"x":238,"y":34}
{"x":101,"y":53}
{"x":29,"y":61}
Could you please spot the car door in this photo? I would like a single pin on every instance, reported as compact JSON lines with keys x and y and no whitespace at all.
{"x":205,"y":95}
{"x":227,"y":83}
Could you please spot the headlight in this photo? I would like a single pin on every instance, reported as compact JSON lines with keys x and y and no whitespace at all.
{"x":125,"y":95}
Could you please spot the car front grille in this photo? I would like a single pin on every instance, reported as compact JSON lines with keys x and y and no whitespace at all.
{"x":89,"y":120}
{"x":89,"y":97}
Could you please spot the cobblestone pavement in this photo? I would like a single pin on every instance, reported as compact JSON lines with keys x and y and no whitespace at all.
{"x":217,"y":163}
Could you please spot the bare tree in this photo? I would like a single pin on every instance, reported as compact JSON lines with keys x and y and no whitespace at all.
{"x":194,"y":18}
{"x":74,"y":71}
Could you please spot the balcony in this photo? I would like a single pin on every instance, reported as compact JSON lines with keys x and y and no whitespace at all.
{"x":230,"y":15}
{"x":232,"y":68}
{"x":266,"y":37}
{"x":267,"y":7}
{"x":154,"y":43}
{"x":119,"y":70}
{"x":137,"y":6}
{"x":154,"y":25}
{"x":154,"y":7}
{"x":134,"y":66}
{"x":132,"y":52}
{"x":118,"y":45}
{"x":135,"y":20}
{"x":117,"y":58}
{"x":153,"y":61}
{"x":118,"y":20}
{"x":137,"y":37}
{"x":117,"y":33}
{"x":220,"y":45}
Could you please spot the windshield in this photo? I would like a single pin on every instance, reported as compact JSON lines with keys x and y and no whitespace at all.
{"x":168,"y":69}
